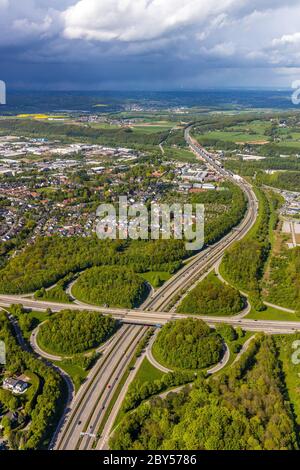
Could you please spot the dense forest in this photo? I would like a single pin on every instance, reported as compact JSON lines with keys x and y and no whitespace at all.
{"x":52,"y":258}
{"x":212,"y":297}
{"x":57,"y":292}
{"x":188,"y":344}
{"x":112,"y":286}
{"x":43,"y":412}
{"x":282,"y":286}
{"x":48,"y":260}
{"x":252,"y":168}
{"x":122,"y":136}
{"x":73,"y":332}
{"x":218,"y":225}
{"x":289,"y":180}
{"x":243,"y":264}
{"x":245,"y":408}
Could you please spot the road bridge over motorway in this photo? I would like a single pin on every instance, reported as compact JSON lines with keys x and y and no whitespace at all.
{"x":147,"y":318}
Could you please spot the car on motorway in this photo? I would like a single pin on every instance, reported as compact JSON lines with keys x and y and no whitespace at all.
{"x":79,"y":423}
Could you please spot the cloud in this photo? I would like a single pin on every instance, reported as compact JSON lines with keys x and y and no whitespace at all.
{"x":287,"y":39}
{"x":145,"y":20}
{"x":21,"y":22}
{"x":138,"y":20}
{"x":148,"y":41}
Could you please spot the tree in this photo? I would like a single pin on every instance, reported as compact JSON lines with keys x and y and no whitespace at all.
{"x":188,"y":344}
{"x":6,"y":424}
{"x":227,"y":332}
{"x":72,"y":332}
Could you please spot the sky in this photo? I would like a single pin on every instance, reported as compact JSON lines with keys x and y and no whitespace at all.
{"x":149,"y":44}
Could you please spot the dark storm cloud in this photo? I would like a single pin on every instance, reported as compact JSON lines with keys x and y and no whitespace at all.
{"x":158,"y":43}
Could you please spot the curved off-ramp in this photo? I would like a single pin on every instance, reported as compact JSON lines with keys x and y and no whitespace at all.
{"x":223,"y":362}
{"x":152,"y":359}
{"x":244,"y":349}
{"x":58,"y":358}
{"x":268,"y":304}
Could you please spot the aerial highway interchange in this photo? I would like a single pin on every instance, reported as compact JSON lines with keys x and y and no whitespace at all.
{"x":89,"y":419}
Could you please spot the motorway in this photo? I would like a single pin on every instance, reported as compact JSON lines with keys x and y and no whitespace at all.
{"x":88,"y":408}
{"x":159,"y":301}
{"x":202,"y":262}
{"x":155,"y":310}
{"x":88,"y":417}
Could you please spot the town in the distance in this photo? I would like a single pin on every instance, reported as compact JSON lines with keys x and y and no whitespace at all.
{"x":143,"y":344}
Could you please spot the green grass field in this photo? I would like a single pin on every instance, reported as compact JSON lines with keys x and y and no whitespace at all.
{"x":77,"y":373}
{"x":103,"y":125}
{"x":147,"y":372}
{"x":238,"y":137}
{"x":38,"y":318}
{"x":272,"y":314}
{"x":151,"y":129}
{"x":291,"y":371}
{"x":182,"y":155}
{"x":289,"y":143}
{"x":252,"y":132}
{"x":144,"y":129}
{"x":153,"y":275}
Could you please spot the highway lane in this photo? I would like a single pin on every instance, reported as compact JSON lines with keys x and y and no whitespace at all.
{"x":102,"y":443}
{"x":113,"y":358}
{"x":196,"y":268}
{"x":185,"y":277}
{"x":223,"y":362}
{"x":152,"y":359}
{"x":109,"y":387}
{"x":88,"y":394}
{"x":34,"y":345}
